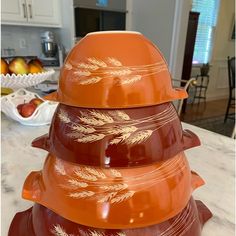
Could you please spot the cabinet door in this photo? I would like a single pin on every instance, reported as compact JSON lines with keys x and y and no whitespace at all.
{"x":45,"y":12}
{"x":13,"y":11}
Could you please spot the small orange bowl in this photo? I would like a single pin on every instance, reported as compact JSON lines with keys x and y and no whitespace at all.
{"x":115,"y":198}
{"x":115,"y":69}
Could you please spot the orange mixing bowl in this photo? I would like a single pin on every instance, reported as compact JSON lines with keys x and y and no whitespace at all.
{"x":113,"y":198}
{"x":40,"y":221}
{"x":115,"y":69}
{"x":116,"y":138}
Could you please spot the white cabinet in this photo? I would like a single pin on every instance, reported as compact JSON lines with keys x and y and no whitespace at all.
{"x":31,"y":12}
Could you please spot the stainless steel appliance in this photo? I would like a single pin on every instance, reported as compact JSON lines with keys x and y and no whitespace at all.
{"x":52,"y":53}
{"x":99,"y":15}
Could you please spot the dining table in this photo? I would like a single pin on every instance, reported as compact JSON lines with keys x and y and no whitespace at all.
{"x":213,"y":160}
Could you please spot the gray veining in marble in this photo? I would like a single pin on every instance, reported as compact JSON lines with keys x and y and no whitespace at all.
{"x":214,"y":161}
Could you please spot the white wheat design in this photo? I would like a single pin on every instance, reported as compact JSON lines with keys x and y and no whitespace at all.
{"x":107,"y":197}
{"x":120,"y":139}
{"x":64,"y":117}
{"x":113,"y":61}
{"x":131,"y":79}
{"x":115,"y":187}
{"x":85,"y":176}
{"x":115,"y":173}
{"x":101,"y":116}
{"x":91,"y":121}
{"x":81,"y":194}
{"x":95,"y":233}
{"x":82,"y":73}
{"x":68,"y":66}
{"x":76,"y":183}
{"x":59,"y":168}
{"x":83,"y":129}
{"x":91,"y":138}
{"x":139,"y":137}
{"x":122,"y":115}
{"x":59,"y":231}
{"x":120,"y":72}
{"x":97,"y":62}
{"x":92,"y":80}
{"x":123,"y":130}
{"x":95,"y":172}
{"x":87,"y":66}
{"x":122,"y":197}
{"x":121,"y":234}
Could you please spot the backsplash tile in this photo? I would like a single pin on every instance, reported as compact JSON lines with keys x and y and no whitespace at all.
{"x":25,"y":40}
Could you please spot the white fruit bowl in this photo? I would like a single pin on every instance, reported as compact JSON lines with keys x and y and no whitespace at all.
{"x":15,"y":82}
{"x":42,"y":115}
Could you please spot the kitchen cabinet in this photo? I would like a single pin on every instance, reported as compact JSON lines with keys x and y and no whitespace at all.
{"x":31,"y":12}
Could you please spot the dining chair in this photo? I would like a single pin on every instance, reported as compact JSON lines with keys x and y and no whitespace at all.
{"x":188,"y":83}
{"x":231,"y":79}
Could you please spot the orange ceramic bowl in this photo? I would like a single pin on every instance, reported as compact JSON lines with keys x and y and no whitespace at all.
{"x":115,"y":69}
{"x":116,"y":138}
{"x":40,"y":221}
{"x":113,"y":198}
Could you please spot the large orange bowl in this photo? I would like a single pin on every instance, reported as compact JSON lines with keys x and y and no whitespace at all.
{"x":116,"y":138}
{"x":115,"y":69}
{"x":113,"y":198}
{"x":40,"y":221}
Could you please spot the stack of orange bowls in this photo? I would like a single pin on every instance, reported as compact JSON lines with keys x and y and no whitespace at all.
{"x":116,"y":164}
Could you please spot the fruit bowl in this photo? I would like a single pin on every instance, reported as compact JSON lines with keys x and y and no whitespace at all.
{"x":42,"y":115}
{"x":23,"y":81}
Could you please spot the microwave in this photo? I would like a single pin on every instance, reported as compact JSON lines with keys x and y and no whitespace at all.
{"x":90,"y":18}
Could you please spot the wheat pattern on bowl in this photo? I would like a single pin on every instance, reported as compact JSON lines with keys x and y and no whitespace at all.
{"x":41,"y":116}
{"x":23,"y":81}
{"x":158,"y":192}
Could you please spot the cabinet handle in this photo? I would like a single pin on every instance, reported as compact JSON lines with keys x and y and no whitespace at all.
{"x":24,"y":10}
{"x":30,"y":10}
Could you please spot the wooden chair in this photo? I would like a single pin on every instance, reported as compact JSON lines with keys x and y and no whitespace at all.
{"x":231,"y":77}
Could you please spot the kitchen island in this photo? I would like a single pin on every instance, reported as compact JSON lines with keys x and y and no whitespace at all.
{"x":214,"y":161}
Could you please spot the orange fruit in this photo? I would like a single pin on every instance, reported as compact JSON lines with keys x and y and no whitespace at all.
{"x":33,"y":68}
{"x":4,"y":67}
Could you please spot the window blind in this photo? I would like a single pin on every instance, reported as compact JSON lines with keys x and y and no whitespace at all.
{"x":206,"y":25}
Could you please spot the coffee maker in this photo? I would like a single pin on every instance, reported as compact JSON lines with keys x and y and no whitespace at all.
{"x":52,"y":53}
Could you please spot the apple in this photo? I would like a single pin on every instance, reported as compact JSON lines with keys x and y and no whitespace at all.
{"x":36,"y":62}
{"x":19,"y":107}
{"x":27,"y":109}
{"x":36,"y":101}
{"x":18,"y":66}
{"x":4,"y":67}
{"x":33,"y":68}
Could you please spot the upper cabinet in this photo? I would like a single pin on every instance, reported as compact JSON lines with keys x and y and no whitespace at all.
{"x":31,"y":12}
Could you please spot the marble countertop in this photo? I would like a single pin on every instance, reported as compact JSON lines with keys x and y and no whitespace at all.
{"x":214,"y":161}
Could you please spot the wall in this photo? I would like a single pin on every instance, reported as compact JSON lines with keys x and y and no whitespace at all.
{"x":222,"y":47}
{"x":155,"y":20}
{"x":66,"y":33}
{"x":165,"y":23}
{"x":24,"y":39}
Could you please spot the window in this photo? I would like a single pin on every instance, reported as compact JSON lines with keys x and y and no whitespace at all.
{"x":206,"y":26}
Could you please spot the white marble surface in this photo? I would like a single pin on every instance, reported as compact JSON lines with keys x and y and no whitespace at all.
{"x":214,"y":160}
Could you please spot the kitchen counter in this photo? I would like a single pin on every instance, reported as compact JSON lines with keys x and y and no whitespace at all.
{"x":214,"y":161}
